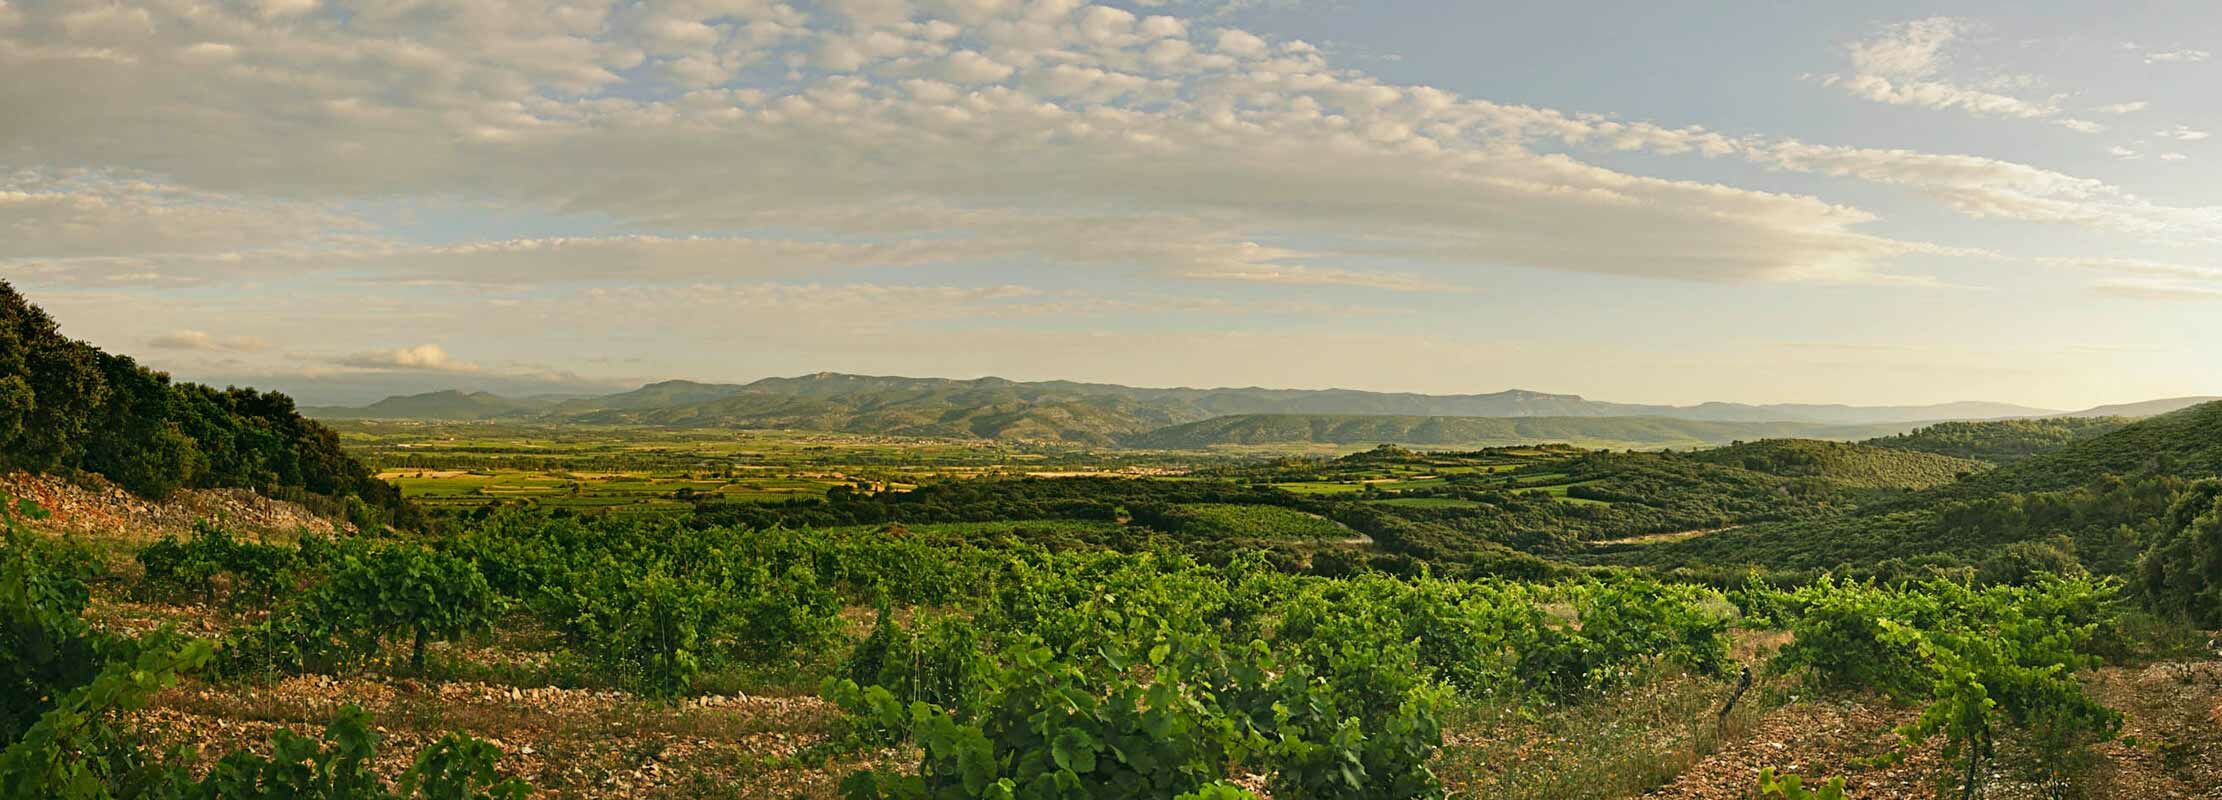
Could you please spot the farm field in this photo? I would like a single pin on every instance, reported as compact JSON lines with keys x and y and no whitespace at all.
{"x":639,"y":470}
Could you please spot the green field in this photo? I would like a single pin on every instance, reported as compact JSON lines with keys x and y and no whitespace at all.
{"x":1266,"y":522}
{"x":629,"y":469}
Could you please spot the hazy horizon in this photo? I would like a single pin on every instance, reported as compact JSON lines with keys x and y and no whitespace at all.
{"x":1895,"y":203}
{"x":330,"y":392}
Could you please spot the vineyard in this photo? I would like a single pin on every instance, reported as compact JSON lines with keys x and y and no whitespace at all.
{"x":611,"y":612}
{"x":953,"y":662}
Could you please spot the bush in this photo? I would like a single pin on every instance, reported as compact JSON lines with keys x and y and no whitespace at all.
{"x":402,"y":590}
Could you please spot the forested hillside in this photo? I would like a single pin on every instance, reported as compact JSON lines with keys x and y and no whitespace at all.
{"x":2183,"y":443}
{"x":1844,"y":462}
{"x":2096,"y":504}
{"x":2001,"y":441}
{"x":66,"y":406}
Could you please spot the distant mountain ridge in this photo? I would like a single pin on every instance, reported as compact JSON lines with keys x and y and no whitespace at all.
{"x":1101,"y":414}
{"x":1598,"y":432}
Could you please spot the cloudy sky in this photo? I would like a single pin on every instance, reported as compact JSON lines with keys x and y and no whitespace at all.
{"x":1638,"y":201}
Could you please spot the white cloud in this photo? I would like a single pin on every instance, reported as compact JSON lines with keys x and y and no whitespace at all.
{"x":1317,"y":276}
{"x":2182,"y":133}
{"x":2080,"y":125}
{"x":201,"y":340}
{"x":2185,"y":56}
{"x":2123,"y":108}
{"x":1084,"y":115}
{"x":1903,"y":66}
{"x":421,"y":358}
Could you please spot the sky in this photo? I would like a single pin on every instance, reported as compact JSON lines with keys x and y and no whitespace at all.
{"x":1659,"y":201}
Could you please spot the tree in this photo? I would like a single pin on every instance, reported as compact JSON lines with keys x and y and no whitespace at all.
{"x":2181,"y":572}
{"x":49,"y":387}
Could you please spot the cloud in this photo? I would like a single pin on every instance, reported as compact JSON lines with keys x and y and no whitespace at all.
{"x":2148,"y":279}
{"x":763,"y":141}
{"x":744,"y":141}
{"x":2185,"y":56}
{"x":200,"y":340}
{"x":2139,"y":267}
{"x":1318,"y":276}
{"x":421,"y":358}
{"x":2183,"y":133}
{"x":2123,"y":108}
{"x":1902,"y":66}
{"x":2159,"y":290}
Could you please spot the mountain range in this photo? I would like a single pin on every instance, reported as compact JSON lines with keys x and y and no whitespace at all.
{"x":1112,"y":415}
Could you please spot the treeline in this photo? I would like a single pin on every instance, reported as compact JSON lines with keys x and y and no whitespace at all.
{"x":1635,"y":494}
{"x":1844,"y":462}
{"x":67,"y":406}
{"x":2001,"y":441}
{"x":2104,"y":528}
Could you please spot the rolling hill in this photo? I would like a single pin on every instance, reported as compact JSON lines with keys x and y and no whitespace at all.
{"x":1846,"y":463}
{"x":1602,"y":432}
{"x":1107,"y":414}
{"x":449,"y":405}
{"x":2145,"y":409}
{"x":2001,"y":441}
{"x":2185,"y":443}
{"x":2088,"y":495}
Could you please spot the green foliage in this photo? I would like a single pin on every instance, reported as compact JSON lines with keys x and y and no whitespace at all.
{"x":936,"y":659}
{"x":1792,"y":787}
{"x":402,"y":590}
{"x":77,"y":751}
{"x":257,"y":571}
{"x":1984,"y":663}
{"x":458,"y":767}
{"x":2103,"y":523}
{"x":1248,"y":521}
{"x":1169,"y":722}
{"x":2001,"y":441}
{"x":68,"y":688}
{"x":65,"y":405}
{"x":1860,"y":465}
{"x":2180,"y":573}
{"x":51,"y":388}
{"x":45,"y":648}
{"x":654,"y":604}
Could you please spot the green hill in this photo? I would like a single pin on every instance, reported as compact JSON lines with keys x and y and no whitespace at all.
{"x":2090,"y":502}
{"x":983,"y":412}
{"x":449,"y":405}
{"x":67,"y":407}
{"x":1599,"y":432}
{"x":1857,"y":465}
{"x":2001,"y":441}
{"x":2147,"y":408}
{"x":2185,"y":443}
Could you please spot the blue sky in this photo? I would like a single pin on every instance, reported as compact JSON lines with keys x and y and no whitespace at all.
{"x":1655,"y":202}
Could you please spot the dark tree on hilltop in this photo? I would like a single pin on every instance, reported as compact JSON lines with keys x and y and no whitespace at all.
{"x":50,"y":386}
{"x":65,"y":406}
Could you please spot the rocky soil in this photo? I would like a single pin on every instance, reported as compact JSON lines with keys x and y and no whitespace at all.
{"x":90,"y":506}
